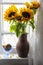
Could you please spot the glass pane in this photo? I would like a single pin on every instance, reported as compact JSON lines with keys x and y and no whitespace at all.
{"x":9,"y":39}
{"x":16,"y":1}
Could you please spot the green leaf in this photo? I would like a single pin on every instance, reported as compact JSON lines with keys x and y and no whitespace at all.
{"x":12,"y":28}
{"x":12,"y":21}
{"x":18,"y":29}
{"x":34,"y":10}
{"x":32,"y":24}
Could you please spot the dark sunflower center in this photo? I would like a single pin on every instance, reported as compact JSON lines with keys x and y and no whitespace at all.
{"x":26,"y":14}
{"x":19,"y":18}
{"x":11,"y":14}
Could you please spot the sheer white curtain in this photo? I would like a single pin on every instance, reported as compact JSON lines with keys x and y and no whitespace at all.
{"x":38,"y":58}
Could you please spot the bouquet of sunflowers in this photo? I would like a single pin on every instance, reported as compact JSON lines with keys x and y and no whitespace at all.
{"x":20,"y":18}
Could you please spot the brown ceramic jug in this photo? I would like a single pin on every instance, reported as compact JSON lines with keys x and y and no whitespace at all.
{"x":23,"y":46}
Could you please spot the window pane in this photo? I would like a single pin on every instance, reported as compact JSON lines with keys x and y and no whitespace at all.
{"x":16,"y":1}
{"x":9,"y":39}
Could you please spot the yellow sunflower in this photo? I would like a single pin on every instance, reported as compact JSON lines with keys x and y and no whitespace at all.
{"x":18,"y":17}
{"x":28,"y":4}
{"x":10,"y":13}
{"x":35,"y":4}
{"x":26,"y":13}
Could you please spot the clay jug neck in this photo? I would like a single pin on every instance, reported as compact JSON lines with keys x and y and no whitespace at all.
{"x":23,"y":37}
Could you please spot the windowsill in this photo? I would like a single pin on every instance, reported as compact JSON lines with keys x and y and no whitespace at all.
{"x":15,"y":60}
{"x":11,"y":56}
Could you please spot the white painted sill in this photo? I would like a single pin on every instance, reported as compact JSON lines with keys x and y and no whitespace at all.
{"x":11,"y":56}
{"x":15,"y":60}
